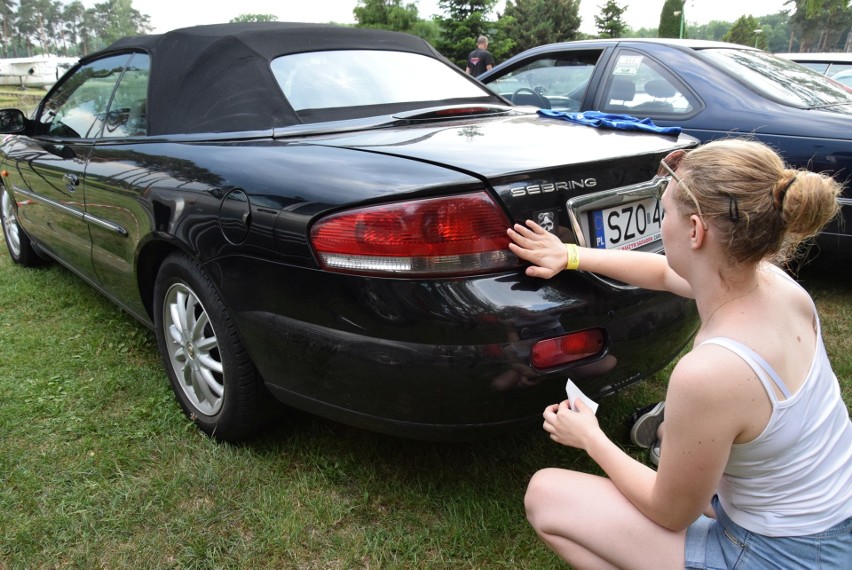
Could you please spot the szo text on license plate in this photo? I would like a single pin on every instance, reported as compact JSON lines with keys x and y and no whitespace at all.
{"x":627,"y":226}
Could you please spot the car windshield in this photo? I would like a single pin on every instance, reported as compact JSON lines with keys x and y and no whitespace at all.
{"x":350,"y":78}
{"x":779,"y":79}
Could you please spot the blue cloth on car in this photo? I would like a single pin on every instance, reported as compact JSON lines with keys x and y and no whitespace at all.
{"x":610,"y":121}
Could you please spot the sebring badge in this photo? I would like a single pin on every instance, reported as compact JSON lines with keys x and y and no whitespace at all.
{"x":548,"y":187}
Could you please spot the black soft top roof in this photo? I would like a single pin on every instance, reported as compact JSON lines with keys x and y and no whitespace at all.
{"x":217,"y":78}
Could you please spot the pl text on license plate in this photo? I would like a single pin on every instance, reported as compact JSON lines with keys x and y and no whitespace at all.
{"x":627,"y":226}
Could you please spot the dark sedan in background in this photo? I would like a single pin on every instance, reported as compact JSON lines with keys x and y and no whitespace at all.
{"x":320,"y":213}
{"x":711,"y":89}
{"x":833,"y":65}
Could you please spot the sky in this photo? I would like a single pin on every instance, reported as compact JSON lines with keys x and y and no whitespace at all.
{"x":169,"y":14}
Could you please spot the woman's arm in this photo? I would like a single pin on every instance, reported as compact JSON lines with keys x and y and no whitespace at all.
{"x":701,"y":425}
{"x":548,"y":256}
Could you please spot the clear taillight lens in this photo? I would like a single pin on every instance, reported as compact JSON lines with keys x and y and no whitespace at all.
{"x":434,"y":236}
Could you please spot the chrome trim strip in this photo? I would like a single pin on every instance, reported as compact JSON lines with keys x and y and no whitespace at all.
{"x":105,"y":224}
{"x":74,"y":212}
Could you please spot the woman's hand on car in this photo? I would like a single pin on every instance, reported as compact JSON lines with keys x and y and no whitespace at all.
{"x":545,"y":251}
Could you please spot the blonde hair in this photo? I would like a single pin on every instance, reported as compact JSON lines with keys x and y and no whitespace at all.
{"x":761,"y":208}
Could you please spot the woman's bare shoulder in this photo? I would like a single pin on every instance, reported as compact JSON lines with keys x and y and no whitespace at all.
{"x":711,"y":375}
{"x":714,"y":387}
{"x":786,"y":289}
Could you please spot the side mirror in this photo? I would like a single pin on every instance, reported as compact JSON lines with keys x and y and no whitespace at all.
{"x":12,"y":121}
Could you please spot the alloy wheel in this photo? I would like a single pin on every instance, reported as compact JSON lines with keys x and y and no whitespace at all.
{"x":10,"y":225}
{"x":193,"y":349}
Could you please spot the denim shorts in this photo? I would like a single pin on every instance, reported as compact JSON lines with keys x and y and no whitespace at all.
{"x":721,"y":544}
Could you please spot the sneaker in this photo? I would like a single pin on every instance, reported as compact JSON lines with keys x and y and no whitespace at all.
{"x":645,"y":423}
{"x":654,"y":453}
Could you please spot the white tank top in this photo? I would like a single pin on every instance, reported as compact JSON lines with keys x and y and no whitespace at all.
{"x":795,"y":478}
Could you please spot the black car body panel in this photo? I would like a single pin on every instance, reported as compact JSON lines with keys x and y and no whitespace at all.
{"x":465,"y":366}
{"x":438,"y":355}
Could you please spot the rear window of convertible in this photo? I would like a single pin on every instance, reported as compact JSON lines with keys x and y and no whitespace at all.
{"x":358,"y":78}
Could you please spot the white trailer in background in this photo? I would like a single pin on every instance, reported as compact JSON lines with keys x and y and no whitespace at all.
{"x":36,"y":71}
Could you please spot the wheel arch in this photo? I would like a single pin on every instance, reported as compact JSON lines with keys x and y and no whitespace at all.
{"x":148,"y":263}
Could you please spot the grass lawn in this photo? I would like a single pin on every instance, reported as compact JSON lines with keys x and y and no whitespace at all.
{"x":99,"y":469}
{"x":23,"y":99}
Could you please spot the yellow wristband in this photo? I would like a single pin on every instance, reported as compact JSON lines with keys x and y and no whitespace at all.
{"x":573,"y":256}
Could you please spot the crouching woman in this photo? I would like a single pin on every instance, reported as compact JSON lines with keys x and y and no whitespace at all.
{"x":755,"y":463}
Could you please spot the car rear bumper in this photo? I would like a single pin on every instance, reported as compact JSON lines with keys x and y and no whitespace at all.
{"x":449,"y":359}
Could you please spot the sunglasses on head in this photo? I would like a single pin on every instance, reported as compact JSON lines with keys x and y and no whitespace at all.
{"x":667,"y":169}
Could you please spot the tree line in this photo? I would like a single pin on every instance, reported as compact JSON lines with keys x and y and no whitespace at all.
{"x":36,"y":27}
{"x":804,"y":25}
{"x":31,"y":27}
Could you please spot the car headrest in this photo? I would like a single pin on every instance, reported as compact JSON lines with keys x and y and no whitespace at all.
{"x":622,"y":89}
{"x":660,"y":89}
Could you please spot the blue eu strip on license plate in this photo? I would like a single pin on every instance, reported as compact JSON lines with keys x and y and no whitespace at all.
{"x":627,"y":226}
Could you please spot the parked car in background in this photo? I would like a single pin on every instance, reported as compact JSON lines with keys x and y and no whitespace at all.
{"x":711,"y":89}
{"x":844,"y":77}
{"x":828,"y":63}
{"x":319,"y":213}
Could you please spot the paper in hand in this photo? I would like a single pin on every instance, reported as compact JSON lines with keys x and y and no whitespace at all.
{"x":574,"y":393}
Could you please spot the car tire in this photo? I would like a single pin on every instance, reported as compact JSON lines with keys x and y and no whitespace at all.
{"x":208,"y":366}
{"x":20,"y":247}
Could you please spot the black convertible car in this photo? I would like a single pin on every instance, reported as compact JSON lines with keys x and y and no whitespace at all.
{"x":319,"y":213}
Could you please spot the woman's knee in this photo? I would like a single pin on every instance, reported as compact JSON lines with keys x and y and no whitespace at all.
{"x":540,"y":494}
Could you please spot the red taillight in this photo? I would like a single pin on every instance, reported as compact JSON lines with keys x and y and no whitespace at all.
{"x":567,"y":348}
{"x":450,"y":235}
{"x":463,"y":111}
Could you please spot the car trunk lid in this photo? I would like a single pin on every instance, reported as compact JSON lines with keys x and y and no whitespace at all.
{"x":578,"y":182}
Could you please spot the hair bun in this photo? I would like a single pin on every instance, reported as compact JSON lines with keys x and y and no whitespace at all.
{"x":781,"y":187}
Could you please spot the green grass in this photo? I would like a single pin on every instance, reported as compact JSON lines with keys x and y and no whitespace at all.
{"x":23,"y":99}
{"x":99,"y":469}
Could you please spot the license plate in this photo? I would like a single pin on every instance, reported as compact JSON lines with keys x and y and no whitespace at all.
{"x":627,"y":226}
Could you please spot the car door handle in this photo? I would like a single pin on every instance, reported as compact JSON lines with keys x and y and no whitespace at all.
{"x":71,"y":182}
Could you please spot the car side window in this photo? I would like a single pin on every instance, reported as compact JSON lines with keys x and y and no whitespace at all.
{"x":556,"y":82}
{"x":637,"y":85}
{"x":78,"y":108}
{"x":838,"y":68}
{"x":817,"y":66}
{"x":128,"y":111}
